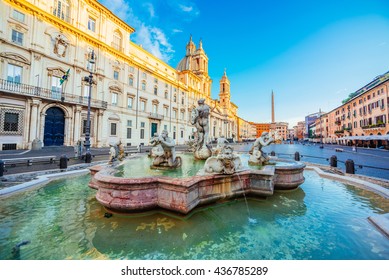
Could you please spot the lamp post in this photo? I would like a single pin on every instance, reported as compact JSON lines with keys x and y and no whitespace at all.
{"x":89,"y":79}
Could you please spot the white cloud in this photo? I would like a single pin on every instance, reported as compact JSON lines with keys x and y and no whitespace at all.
{"x":150,"y":9}
{"x":155,"y":41}
{"x":119,"y":7}
{"x":177,"y":31}
{"x":186,"y":8}
{"x":150,"y":37}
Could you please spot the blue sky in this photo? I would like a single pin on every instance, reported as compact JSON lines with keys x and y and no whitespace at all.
{"x":312,"y":54}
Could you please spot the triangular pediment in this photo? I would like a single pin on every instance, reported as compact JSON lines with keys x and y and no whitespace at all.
{"x":15,"y":57}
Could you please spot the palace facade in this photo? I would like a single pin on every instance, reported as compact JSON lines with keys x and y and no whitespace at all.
{"x":366,"y":113}
{"x":134,"y":94}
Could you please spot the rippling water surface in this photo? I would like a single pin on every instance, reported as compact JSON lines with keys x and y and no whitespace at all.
{"x":321,"y":220}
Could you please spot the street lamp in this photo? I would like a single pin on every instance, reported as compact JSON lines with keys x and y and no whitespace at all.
{"x":89,"y":79}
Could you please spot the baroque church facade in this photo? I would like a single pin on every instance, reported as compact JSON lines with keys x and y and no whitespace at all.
{"x":133,"y":95}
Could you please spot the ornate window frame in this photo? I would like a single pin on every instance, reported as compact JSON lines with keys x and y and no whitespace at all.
{"x":20,"y":112}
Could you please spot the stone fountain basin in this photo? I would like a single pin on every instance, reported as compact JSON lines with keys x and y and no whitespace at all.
{"x":183,"y":194}
{"x":288,"y":175}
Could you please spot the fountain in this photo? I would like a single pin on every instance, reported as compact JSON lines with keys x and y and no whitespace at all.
{"x":223,"y":175}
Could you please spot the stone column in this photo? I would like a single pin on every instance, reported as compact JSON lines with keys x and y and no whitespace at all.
{"x":26,"y":122}
{"x":77,"y":121}
{"x":66,"y":140}
{"x":99,"y":135}
{"x":34,"y":119}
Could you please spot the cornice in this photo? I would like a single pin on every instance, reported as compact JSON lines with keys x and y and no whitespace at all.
{"x":98,"y":6}
{"x":64,"y":26}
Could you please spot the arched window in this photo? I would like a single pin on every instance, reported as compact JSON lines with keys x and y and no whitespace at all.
{"x":117,"y":40}
{"x":61,"y":9}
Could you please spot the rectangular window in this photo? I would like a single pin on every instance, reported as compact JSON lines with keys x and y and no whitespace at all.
{"x":165,"y":127}
{"x":91,"y":24}
{"x":142,"y":133}
{"x":18,"y":16}
{"x":56,"y":87}
{"x":84,"y":126}
{"x":131,"y":81}
{"x":129,"y":122}
{"x":131,"y":69}
{"x":113,"y":129}
{"x":17,"y":37}
{"x":182,"y":134}
{"x":166,"y":111}
{"x":14,"y":73}
{"x":144,"y":76}
{"x":114,"y":99}
{"x":129,"y":102}
{"x":156,"y":80}
{"x":174,"y":114}
{"x":155,"y":91}
{"x":11,"y":121}
{"x":155,"y":108}
{"x":129,"y":132}
{"x":182,"y":115}
{"x":116,"y":75}
{"x":143,"y":106}
{"x":143,"y":85}
{"x":142,"y":124}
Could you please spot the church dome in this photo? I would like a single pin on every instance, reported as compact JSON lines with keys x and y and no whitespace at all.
{"x":184,"y":64}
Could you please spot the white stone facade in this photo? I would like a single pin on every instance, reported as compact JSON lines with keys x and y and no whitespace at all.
{"x":134,"y":94}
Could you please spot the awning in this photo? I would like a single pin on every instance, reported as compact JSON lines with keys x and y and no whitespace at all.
{"x":366,"y":138}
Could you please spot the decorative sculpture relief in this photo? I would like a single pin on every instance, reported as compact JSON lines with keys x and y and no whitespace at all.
{"x":257,"y":156}
{"x":200,"y":118}
{"x":226,"y":162}
{"x":168,"y":159}
{"x":221,"y":143}
{"x":60,"y":46}
{"x":157,"y":149}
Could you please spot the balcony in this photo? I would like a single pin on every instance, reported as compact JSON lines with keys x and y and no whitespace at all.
{"x":155,"y":116}
{"x":374,"y":126}
{"x":48,"y":94}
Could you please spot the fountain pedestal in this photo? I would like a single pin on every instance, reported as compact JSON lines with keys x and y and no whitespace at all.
{"x":184,"y":194}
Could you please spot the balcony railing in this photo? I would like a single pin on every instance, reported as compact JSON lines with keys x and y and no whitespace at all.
{"x":155,"y":116}
{"x":29,"y":90}
{"x":374,"y":126}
